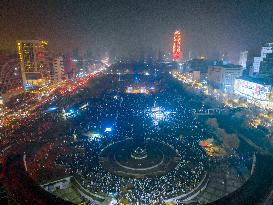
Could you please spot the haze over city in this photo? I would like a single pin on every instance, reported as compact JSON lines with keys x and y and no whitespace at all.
{"x":128,"y":28}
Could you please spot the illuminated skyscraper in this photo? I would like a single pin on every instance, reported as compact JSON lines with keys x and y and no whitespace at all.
{"x":34,"y":61}
{"x":177,"y":54}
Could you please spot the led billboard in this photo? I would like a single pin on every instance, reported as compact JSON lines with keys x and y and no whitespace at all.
{"x":252,"y":90}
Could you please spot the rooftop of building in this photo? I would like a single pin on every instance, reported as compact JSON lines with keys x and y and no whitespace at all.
{"x":268,"y":45}
{"x":30,"y":41}
{"x":226,"y":66}
{"x":263,"y":80}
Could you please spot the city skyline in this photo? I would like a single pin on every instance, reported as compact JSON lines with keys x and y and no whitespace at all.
{"x":128,"y":28}
{"x":125,"y":102}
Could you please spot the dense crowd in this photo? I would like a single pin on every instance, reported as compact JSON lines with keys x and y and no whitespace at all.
{"x":54,"y":145}
{"x":129,"y":116}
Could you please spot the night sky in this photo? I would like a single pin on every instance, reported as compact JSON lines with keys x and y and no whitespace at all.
{"x":127,"y":27}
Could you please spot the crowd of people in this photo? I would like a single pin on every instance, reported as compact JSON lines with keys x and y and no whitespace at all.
{"x":112,"y":116}
{"x":128,"y":115}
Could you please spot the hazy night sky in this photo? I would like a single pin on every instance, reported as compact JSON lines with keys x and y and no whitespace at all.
{"x":128,"y":26}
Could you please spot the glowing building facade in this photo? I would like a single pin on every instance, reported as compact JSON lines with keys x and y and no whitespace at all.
{"x":177,"y":44}
{"x":34,"y":62}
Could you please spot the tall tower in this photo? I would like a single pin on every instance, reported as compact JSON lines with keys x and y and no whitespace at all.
{"x":177,"y":54}
{"x":34,"y":62}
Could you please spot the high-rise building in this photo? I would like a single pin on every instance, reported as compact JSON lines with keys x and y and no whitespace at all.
{"x":177,"y":45}
{"x":160,"y":57}
{"x":258,"y":60}
{"x":266,"y":67}
{"x":34,"y":61}
{"x":58,"y":69}
{"x":243,"y":58}
{"x":69,"y":66}
{"x":266,"y":49}
{"x":10,"y":75}
{"x":223,"y":76}
{"x":256,"y":64}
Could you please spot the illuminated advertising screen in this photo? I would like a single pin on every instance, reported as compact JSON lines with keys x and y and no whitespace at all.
{"x":129,"y":90}
{"x":251,"y":89}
